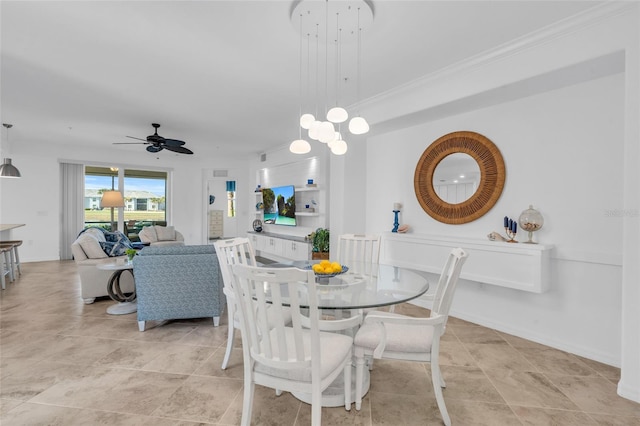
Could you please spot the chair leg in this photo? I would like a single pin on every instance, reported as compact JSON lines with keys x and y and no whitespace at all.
{"x":436,"y":380}
{"x":141,"y":325}
{"x":227,"y":353}
{"x":247,"y":403}
{"x":216,"y":321}
{"x":359,"y":378}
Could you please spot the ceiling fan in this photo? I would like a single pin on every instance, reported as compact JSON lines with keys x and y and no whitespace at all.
{"x":157,"y":143}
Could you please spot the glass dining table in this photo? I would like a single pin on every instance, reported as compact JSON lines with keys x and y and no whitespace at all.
{"x":360,"y":287}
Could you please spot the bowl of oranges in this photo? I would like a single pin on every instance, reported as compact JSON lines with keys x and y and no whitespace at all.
{"x":326,"y":268}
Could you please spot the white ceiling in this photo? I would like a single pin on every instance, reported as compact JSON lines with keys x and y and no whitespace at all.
{"x":221,"y":75}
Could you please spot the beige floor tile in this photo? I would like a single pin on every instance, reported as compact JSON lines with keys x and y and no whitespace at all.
{"x":498,"y":355}
{"x":179,"y":359}
{"x":338,"y":416}
{"x":206,"y":336}
{"x":267,"y":409}
{"x":454,"y":353}
{"x":611,"y":420}
{"x":553,"y":361}
{"x":543,"y":417}
{"x":608,"y":371}
{"x":529,"y":389}
{"x":213,"y":365}
{"x":407,"y":410}
{"x":8,"y":404}
{"x":201,"y":399}
{"x":476,"y":413}
{"x":131,"y":354}
{"x":401,"y":377}
{"x":30,"y":380}
{"x":520,"y":343}
{"x":595,"y":395}
{"x":468,"y":383}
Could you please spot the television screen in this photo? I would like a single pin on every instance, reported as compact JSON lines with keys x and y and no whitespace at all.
{"x":279,"y":205}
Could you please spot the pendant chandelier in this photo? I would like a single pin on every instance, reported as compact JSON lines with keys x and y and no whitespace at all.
{"x":337,"y":23}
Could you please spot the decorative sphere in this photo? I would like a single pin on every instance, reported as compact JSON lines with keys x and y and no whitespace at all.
{"x":339,"y":147}
{"x":530,"y":220}
{"x":358,"y":126}
{"x":337,"y":115}
{"x":300,"y":146}
{"x":313,"y":130}
{"x":306,"y":120}
{"x":326,"y":132}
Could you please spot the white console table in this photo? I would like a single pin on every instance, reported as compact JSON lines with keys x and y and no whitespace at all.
{"x":519,"y":266}
{"x":280,"y":247}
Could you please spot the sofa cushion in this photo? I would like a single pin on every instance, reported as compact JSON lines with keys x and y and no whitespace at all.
{"x":150,"y":233}
{"x":165,"y":233}
{"x":91,"y":246}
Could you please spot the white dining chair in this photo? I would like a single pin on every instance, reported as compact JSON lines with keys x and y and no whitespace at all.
{"x":231,"y":252}
{"x":291,"y":358}
{"x":394,"y":336}
{"x":359,"y":252}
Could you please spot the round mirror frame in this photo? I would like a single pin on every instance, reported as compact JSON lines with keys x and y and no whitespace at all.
{"x":492,"y":177}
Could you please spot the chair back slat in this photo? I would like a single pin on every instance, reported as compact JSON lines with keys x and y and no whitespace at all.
{"x":443,"y":296}
{"x":361,"y":253}
{"x":231,"y":252}
{"x":281,"y":290}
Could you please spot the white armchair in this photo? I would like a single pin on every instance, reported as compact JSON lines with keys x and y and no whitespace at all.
{"x":157,"y":235}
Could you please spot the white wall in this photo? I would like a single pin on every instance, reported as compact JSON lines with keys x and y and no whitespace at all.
{"x":551,"y":144}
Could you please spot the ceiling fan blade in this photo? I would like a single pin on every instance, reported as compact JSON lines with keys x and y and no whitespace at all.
{"x":174,"y":142}
{"x":130,"y":143}
{"x":179,"y":149}
{"x":144,"y":140}
{"x":154,"y":148}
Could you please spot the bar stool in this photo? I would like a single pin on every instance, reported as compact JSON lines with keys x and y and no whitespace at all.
{"x":15,"y":256}
{"x":5,"y":264}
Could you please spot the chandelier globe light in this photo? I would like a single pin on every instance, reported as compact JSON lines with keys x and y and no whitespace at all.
{"x":300,"y":146}
{"x":337,"y":115}
{"x":306,"y":120}
{"x":314,"y":18}
{"x":358,"y":126}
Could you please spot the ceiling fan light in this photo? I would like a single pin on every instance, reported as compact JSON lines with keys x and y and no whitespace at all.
{"x":306,"y":120}
{"x":300,"y":146}
{"x":339,"y":147}
{"x":313,"y":130}
{"x":337,"y":115}
{"x":8,"y":170}
{"x":358,"y":126}
{"x":326,"y":132}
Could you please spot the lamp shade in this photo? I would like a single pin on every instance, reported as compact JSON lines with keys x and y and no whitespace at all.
{"x":337,"y":115}
{"x":326,"y":132}
{"x":339,"y":147}
{"x":8,"y":170}
{"x":300,"y":146}
{"x":306,"y":120}
{"x":358,"y":126}
{"x":112,"y":199}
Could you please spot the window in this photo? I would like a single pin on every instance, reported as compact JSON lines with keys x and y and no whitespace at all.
{"x":231,"y":198}
{"x":144,"y":193}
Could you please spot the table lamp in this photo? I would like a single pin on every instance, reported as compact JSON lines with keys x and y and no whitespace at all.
{"x":112,"y":199}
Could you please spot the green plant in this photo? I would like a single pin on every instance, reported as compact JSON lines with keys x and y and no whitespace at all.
{"x":320,"y":240}
{"x":130,"y":253}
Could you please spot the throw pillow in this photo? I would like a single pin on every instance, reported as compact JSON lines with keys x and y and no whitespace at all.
{"x":166,"y":233}
{"x":150,"y":233}
{"x":112,"y":249}
{"x":116,"y":236}
{"x":91,"y":247}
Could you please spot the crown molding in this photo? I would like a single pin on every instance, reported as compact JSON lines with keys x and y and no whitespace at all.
{"x":542,"y":36}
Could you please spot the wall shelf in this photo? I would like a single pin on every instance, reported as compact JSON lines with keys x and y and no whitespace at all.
{"x":519,"y":266}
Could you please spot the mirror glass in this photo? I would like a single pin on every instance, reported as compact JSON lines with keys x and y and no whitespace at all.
{"x":456,"y":178}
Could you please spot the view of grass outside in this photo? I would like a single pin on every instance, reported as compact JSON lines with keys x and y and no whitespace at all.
{"x":104,"y":215}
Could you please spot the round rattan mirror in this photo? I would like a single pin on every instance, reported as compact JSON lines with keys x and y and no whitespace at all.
{"x":492,"y":176}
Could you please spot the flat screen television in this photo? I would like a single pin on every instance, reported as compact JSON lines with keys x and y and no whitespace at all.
{"x":279,"y":205}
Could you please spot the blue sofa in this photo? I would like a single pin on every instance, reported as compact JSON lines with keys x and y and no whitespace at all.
{"x":176,"y":282}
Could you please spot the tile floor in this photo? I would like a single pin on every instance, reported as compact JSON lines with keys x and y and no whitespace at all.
{"x":66,"y":363}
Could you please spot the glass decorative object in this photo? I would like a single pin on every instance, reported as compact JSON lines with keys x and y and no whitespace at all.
{"x":530,"y":220}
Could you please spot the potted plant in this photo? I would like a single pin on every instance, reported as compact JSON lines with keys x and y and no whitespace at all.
{"x":130,"y":253}
{"x":320,"y":244}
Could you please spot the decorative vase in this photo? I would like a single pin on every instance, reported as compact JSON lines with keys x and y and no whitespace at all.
{"x":320,"y":255}
{"x":530,"y":220}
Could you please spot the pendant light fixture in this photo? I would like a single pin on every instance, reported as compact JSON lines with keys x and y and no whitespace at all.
{"x":352,"y":16}
{"x":300,"y":146}
{"x":358,"y":125}
{"x":8,"y":170}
